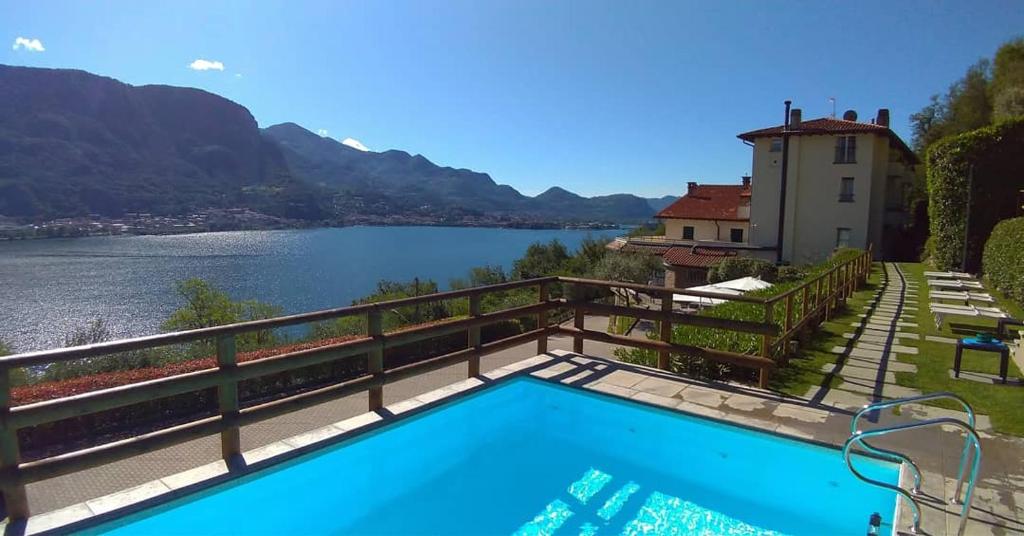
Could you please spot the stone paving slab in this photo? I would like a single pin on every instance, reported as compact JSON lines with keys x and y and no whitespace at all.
{"x":876,"y":339}
{"x":897,"y":348}
{"x":936,"y":338}
{"x":883,"y":333}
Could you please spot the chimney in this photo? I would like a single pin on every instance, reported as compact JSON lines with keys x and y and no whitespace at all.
{"x":794,"y":118}
{"x":883,"y":117}
{"x":849,"y":115}
{"x":690,"y":187}
{"x":746,"y":181}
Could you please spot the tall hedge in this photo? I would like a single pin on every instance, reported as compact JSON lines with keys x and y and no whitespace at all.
{"x":997,"y":154}
{"x":1003,"y":261}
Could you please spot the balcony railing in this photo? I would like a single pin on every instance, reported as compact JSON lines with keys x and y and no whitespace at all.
{"x":819,"y":297}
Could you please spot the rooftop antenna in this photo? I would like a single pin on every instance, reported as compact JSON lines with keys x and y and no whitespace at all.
{"x":833,"y":101}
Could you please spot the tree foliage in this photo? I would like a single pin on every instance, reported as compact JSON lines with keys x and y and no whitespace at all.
{"x":541,"y":260}
{"x":1003,"y":260}
{"x":737,"y":267}
{"x":207,"y":306}
{"x":989,"y":91}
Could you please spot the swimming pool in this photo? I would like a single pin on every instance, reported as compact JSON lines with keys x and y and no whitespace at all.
{"x":532,"y":457}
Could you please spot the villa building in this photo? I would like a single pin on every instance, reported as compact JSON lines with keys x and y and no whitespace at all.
{"x":846,"y":183}
{"x":704,"y":226}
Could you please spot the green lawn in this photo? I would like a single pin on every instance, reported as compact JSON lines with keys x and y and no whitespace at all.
{"x":1004,"y":404}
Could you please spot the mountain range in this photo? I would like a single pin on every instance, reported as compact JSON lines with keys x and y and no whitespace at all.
{"x":75,"y":143}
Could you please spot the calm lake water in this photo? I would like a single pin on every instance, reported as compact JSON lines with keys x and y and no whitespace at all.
{"x":49,"y":287}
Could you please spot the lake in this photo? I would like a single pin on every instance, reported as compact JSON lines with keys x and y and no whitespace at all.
{"x":50,"y":287}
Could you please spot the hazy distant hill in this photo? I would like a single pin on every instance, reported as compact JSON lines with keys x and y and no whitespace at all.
{"x":416,"y":180}
{"x":73,"y":143}
{"x":658,"y":203}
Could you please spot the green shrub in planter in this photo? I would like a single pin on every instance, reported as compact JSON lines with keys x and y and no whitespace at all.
{"x":1003,"y":259}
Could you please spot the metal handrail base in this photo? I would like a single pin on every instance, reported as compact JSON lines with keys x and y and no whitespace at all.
{"x":973,"y":440}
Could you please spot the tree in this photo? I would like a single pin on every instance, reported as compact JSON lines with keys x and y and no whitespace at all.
{"x":626,"y":267}
{"x":18,"y":375}
{"x":1007,"y":86}
{"x":589,"y":254}
{"x":94,"y":332}
{"x":480,"y":276}
{"x":206,"y":306}
{"x":541,"y":260}
{"x":966,"y":106}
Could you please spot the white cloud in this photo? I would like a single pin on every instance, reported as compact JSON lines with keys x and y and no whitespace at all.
{"x":32,"y":45}
{"x":354,"y":143}
{"x":238,"y":75}
{"x":322,"y":132}
{"x":206,"y":65}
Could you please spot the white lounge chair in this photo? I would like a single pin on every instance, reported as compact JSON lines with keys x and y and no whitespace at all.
{"x":948,"y":275}
{"x":961,"y":296}
{"x":957,"y":284}
{"x":942,"y":310}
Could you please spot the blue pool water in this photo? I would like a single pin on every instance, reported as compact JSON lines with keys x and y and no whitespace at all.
{"x":529,"y":457}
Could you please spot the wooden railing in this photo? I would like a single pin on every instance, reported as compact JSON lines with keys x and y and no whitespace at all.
{"x":830,"y":288}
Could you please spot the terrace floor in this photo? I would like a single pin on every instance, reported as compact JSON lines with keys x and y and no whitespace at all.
{"x":998,"y":505}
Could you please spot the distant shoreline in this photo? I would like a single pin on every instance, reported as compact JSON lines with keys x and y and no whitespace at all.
{"x":73,"y":231}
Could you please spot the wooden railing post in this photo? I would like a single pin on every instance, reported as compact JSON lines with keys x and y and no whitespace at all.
{"x":375,"y":358}
{"x":788,"y":323}
{"x":542,"y":319}
{"x":666,"y":331}
{"x":828,"y":294}
{"x":15,"y":498}
{"x":578,"y":323}
{"x":804,"y":306}
{"x":474,"y":336}
{"x":842,"y":284}
{"x":766,"y":342}
{"x":227,"y":399}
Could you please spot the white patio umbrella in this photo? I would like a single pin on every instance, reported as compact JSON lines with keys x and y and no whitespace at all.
{"x":734,"y":287}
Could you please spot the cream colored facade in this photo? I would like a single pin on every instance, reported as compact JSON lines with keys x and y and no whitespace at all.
{"x":706,"y":230}
{"x":815,"y":213}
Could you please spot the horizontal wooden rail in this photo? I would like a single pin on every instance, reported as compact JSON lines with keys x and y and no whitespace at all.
{"x":114,"y":397}
{"x":99,"y":455}
{"x":745,"y":360}
{"x":743,"y":326}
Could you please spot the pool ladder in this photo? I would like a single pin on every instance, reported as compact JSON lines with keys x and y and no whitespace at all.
{"x":971,"y":442}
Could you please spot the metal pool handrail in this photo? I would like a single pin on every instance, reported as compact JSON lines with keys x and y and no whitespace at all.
{"x":972,"y":436}
{"x":964,"y":454}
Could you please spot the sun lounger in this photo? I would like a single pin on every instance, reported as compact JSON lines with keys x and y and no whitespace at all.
{"x":948,"y":275}
{"x":961,"y":296}
{"x":942,"y":310}
{"x":956,"y":284}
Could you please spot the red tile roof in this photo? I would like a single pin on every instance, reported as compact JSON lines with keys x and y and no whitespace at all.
{"x":831,"y":125}
{"x":709,"y":202}
{"x":696,"y":256}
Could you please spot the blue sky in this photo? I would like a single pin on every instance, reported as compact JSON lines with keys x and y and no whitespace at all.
{"x":598,"y":97}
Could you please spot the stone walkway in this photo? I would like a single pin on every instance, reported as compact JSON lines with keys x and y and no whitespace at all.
{"x":867,"y":363}
{"x":864,"y":372}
